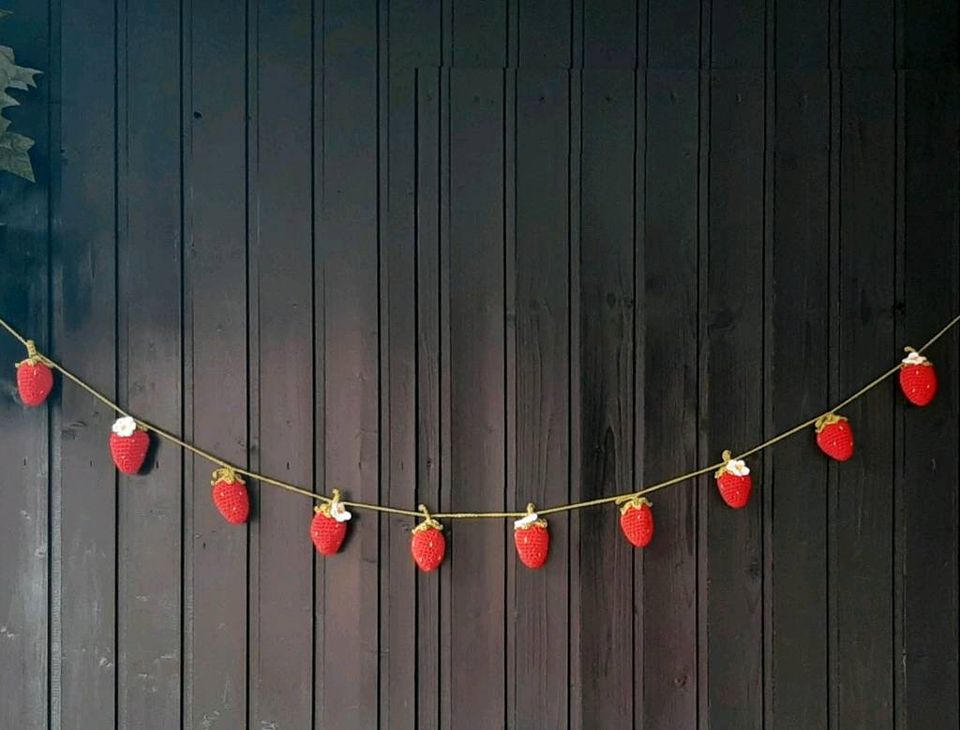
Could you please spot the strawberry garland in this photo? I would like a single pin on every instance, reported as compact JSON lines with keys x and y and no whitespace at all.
{"x":130,"y":442}
{"x":329,"y":526}
{"x":636,"y":521}
{"x":229,"y":494}
{"x":834,"y":436}
{"x":531,"y":538}
{"x":34,"y":377}
{"x":918,"y":379}
{"x":734,"y":481}
{"x":427,"y":543}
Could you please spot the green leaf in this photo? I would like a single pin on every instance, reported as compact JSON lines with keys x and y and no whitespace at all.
{"x":13,"y":155}
{"x":14,"y":148}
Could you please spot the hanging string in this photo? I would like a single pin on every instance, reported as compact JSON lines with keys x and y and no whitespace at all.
{"x":614,"y":499}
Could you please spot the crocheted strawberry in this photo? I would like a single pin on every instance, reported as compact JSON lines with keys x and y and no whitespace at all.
{"x":427,"y":543}
{"x":230,"y":495}
{"x":834,"y":436}
{"x":734,"y":481}
{"x":636,"y":521}
{"x":128,"y":445}
{"x":918,"y":379}
{"x":532,"y":539}
{"x":329,"y":526}
{"x":34,"y":377}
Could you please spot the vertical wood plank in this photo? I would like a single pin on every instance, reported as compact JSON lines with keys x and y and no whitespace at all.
{"x":348,"y":235}
{"x":444,"y":305}
{"x":737,"y":34}
{"x":479,"y":30}
{"x":431,"y":387}
{"x":609,"y":34}
{"x":280,"y":679}
{"x":802,"y":35}
{"x":476,"y":557}
{"x":414,"y":33}
{"x":927,"y":456}
{"x":669,"y":659}
{"x":83,"y":645}
{"x":866,"y":30}
{"x":150,"y":253}
{"x":398,"y":336}
{"x":797,"y":677}
{"x":542,"y":441}
{"x":544,"y":33}
{"x":731,"y":401}
{"x":673,"y":35}
{"x":863,"y":517}
{"x":606,"y":398}
{"x":215,"y":362}
{"x":25,"y":449}
{"x":931,"y":34}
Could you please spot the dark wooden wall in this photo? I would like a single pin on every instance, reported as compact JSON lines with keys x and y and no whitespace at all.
{"x":476,"y":254}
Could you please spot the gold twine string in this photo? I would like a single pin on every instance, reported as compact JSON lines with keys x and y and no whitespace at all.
{"x":617,"y":498}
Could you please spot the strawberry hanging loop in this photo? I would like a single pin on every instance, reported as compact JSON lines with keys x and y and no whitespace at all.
{"x":224,"y":474}
{"x":428,"y":522}
{"x":334,"y":508}
{"x":634,"y":502}
{"x":531,"y":519}
{"x":827,"y":419}
{"x":33,"y":356}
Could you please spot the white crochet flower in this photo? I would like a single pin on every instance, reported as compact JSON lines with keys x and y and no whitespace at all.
{"x":124,"y":426}
{"x":914,"y":358}
{"x":339,"y":512}
{"x":738,"y":467}
{"x":526,"y":520}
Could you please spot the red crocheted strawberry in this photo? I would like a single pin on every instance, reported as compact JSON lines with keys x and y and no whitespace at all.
{"x":128,"y":445}
{"x":636,"y":521}
{"x":834,"y":436}
{"x":230,"y":495}
{"x":734,"y":481}
{"x":427,"y":543}
{"x":329,"y":526}
{"x":532,"y":539}
{"x":918,"y":379}
{"x":34,"y":377}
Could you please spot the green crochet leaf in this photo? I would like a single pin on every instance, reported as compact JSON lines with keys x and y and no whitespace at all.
{"x":14,"y":147}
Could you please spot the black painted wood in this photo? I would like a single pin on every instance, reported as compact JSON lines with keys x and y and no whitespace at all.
{"x":83,"y":646}
{"x":475,"y":254}
{"x":149,"y":361}
{"x":284,"y":437}
{"x":215,"y":557}
{"x":25,"y":449}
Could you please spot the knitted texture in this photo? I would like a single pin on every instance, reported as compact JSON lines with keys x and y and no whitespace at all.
{"x":428,"y":547}
{"x":231,"y":499}
{"x":533,"y":544}
{"x":734,"y":489}
{"x":918,"y":383}
{"x":34,"y":381}
{"x":327,"y":534}
{"x":636,"y":521}
{"x":835,"y":438}
{"x":129,"y":452}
